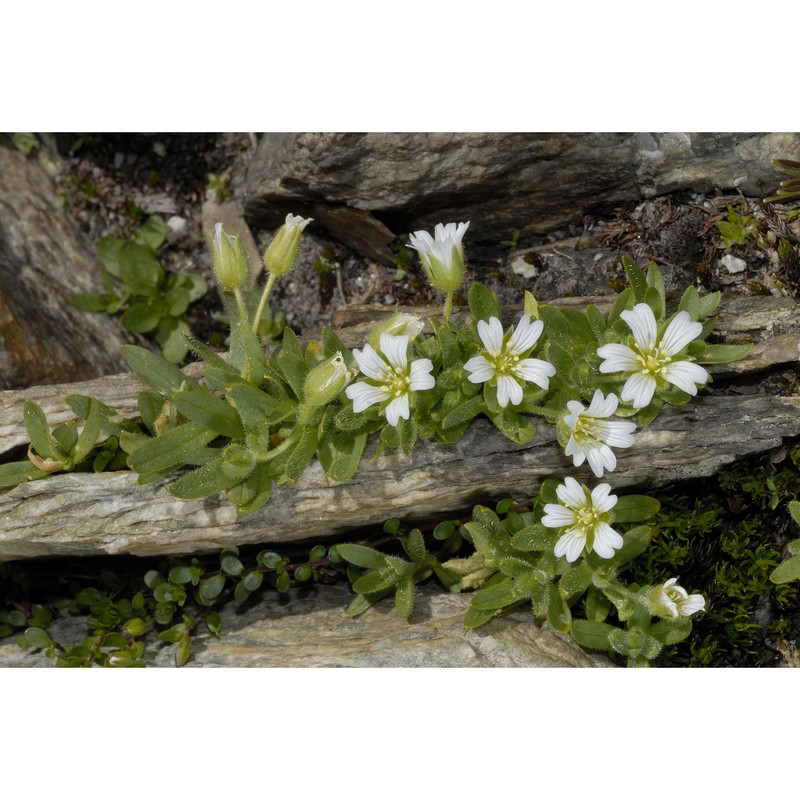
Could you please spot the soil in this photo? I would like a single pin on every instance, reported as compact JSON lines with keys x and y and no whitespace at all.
{"x":111,"y":183}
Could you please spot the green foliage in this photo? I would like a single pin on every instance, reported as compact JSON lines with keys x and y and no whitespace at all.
{"x":789,"y":570}
{"x":147,"y":298}
{"x":26,"y":143}
{"x":789,"y":189}
{"x":736,"y":229}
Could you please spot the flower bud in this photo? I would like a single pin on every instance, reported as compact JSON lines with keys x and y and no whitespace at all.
{"x":442,"y":254}
{"x":671,"y":601}
{"x":231,"y":264}
{"x":326,"y":380}
{"x":280,"y":256}
{"x":401,"y":324}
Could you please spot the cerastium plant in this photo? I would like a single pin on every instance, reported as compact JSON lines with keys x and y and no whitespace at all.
{"x":256,"y":420}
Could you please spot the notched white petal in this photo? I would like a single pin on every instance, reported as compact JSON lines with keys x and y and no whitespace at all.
{"x":618,"y":358}
{"x":679,"y":333}
{"x":364,"y":395}
{"x":642,"y":323}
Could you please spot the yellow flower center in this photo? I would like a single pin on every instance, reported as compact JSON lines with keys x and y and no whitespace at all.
{"x":654,"y":362}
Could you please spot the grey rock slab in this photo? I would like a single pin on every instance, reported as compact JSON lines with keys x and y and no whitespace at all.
{"x":309,"y":628}
{"x":501,"y":182}
{"x":88,"y":514}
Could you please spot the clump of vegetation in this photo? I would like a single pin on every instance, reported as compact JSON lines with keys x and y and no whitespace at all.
{"x":737,"y":228}
{"x":147,"y":298}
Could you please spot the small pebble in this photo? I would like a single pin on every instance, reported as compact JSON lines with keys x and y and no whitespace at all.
{"x":177,"y":228}
{"x":733,"y":264}
{"x":159,"y":149}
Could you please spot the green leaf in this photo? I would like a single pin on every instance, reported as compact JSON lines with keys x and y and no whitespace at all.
{"x":656,"y":303}
{"x":231,"y":565}
{"x":211,"y":588}
{"x":38,"y":638}
{"x":108,"y":249}
{"x":463,"y":413}
{"x":414,"y":545}
{"x":91,"y":430}
{"x":142,"y":317}
{"x":376,"y":581}
{"x":723,"y":353}
{"x":184,"y":650}
{"x":576,"y":580}
{"x":177,"y":300}
{"x":252,"y":493}
{"x":139,"y":269}
{"x":788,"y":571}
{"x":597,"y":323}
{"x":495,"y":597}
{"x":39,"y":432}
{"x":597,"y":605}
{"x":635,"y":541}
{"x":134,"y":627}
{"x":594,"y":635}
{"x":173,"y":634}
{"x":153,"y":233}
{"x":690,"y":303}
{"x":173,"y":336}
{"x":340,"y":454}
{"x":483,"y":303}
{"x":256,"y":411}
{"x":794,"y":510}
{"x":211,"y":412}
{"x":17,"y":472}
{"x":253,"y":580}
{"x":558,"y":613}
{"x":620,"y":304}
{"x":636,"y":277}
{"x":172,"y":449}
{"x":89,"y":301}
{"x":635,"y":508}
{"x":517,"y":428}
{"x":363,"y":601}
{"x":404,"y":598}
{"x":407,"y":430}
{"x":534,"y":537}
{"x":362,"y":556}
{"x":474,"y":617}
{"x":154,"y":370}
{"x":671,"y":631}
{"x":208,"y":479}
{"x":708,"y":304}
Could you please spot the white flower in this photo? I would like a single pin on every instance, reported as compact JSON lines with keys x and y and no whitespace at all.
{"x":390,"y":377}
{"x":586,"y":517}
{"x":671,"y":600}
{"x":592,"y":435}
{"x":652,"y":359}
{"x":502,"y":359}
{"x":442,"y":254}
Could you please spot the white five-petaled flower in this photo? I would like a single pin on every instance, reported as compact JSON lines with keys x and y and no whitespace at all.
{"x":671,"y":600}
{"x":592,"y":434}
{"x":502,"y":359}
{"x":652,"y":359}
{"x":586,"y":517}
{"x":390,"y":377}
{"x":442,"y":254}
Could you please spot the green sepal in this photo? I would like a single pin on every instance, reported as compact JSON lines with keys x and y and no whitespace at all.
{"x":211,"y":412}
{"x":635,"y":508}
{"x":155,"y":370}
{"x":172,"y":449}
{"x":594,"y":635}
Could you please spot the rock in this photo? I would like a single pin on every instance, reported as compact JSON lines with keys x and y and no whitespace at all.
{"x":44,"y":259}
{"x":501,"y":182}
{"x":733,"y":264}
{"x":309,"y":628}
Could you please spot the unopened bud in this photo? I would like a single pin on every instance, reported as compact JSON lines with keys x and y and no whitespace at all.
{"x":442,"y":254}
{"x":280,"y":256}
{"x":326,"y":380}
{"x":231,"y":264}
{"x":401,"y":324}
